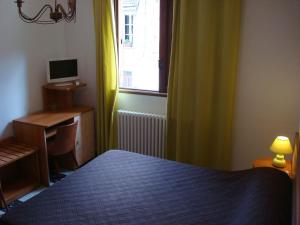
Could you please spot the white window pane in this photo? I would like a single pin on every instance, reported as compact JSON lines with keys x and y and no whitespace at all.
{"x":139,"y":44}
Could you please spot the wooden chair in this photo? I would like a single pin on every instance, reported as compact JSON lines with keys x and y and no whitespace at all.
{"x":63,"y":143}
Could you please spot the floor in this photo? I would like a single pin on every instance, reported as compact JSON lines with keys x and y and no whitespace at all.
{"x":53,"y":180}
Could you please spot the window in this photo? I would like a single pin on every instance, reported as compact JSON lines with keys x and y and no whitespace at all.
{"x":127,"y":78}
{"x":128,"y":30}
{"x":144,"y":38}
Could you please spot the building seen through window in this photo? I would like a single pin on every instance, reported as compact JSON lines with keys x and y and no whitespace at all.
{"x":139,"y":26}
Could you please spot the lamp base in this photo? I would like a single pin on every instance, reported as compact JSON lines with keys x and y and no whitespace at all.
{"x":279,"y":161}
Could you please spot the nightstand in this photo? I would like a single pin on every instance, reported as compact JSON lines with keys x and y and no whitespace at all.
{"x":267,"y":162}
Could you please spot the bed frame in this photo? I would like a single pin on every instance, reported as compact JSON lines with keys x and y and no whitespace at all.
{"x":296,"y":176}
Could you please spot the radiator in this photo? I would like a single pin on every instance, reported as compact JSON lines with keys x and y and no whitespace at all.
{"x":142,"y":133}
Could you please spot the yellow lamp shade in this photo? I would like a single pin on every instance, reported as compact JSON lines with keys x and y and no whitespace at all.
{"x":281,"y":146}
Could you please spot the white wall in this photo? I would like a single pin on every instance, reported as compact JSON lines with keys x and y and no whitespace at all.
{"x":268,"y":87}
{"x":24,"y":49}
{"x":80,"y":43}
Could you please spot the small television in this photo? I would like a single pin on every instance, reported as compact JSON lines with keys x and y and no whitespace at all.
{"x":62,"y":70}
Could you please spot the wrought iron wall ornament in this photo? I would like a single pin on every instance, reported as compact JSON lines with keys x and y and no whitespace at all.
{"x":57,"y":13}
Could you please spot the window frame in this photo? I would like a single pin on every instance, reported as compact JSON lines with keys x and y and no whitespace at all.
{"x":165,"y":31}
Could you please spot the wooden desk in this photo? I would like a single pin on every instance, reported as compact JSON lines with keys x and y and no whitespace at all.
{"x":33,"y":130}
{"x":47,"y":119}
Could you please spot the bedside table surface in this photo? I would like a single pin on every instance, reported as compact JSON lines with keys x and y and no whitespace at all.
{"x":267,"y":162}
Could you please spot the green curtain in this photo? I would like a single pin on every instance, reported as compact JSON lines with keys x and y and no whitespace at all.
{"x":107,"y":79}
{"x":202,"y":81}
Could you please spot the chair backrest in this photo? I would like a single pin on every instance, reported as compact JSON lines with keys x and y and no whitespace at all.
{"x":65,"y":139}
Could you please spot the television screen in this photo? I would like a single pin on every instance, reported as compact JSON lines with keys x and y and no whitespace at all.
{"x":62,"y":70}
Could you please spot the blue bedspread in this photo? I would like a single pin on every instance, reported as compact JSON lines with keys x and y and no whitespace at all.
{"x":119,"y":187}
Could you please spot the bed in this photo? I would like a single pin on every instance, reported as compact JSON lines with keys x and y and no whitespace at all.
{"x":120,"y":187}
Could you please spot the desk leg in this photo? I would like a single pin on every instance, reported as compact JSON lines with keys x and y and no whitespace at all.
{"x":35,"y":135}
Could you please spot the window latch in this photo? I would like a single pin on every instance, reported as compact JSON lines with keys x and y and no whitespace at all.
{"x":161,"y":64}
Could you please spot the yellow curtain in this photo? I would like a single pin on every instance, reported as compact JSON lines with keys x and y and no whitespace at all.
{"x":202,"y":81}
{"x":107,"y":82}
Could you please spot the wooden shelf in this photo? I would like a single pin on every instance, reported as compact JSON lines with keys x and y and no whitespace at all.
{"x":20,"y":160}
{"x":12,"y":151}
{"x":70,"y":87}
{"x":56,"y":98}
{"x":16,"y":188}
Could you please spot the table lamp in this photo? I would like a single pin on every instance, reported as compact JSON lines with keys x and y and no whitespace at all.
{"x":281,"y":146}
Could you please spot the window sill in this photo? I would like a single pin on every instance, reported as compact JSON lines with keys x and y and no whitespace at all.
{"x":142,"y":92}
